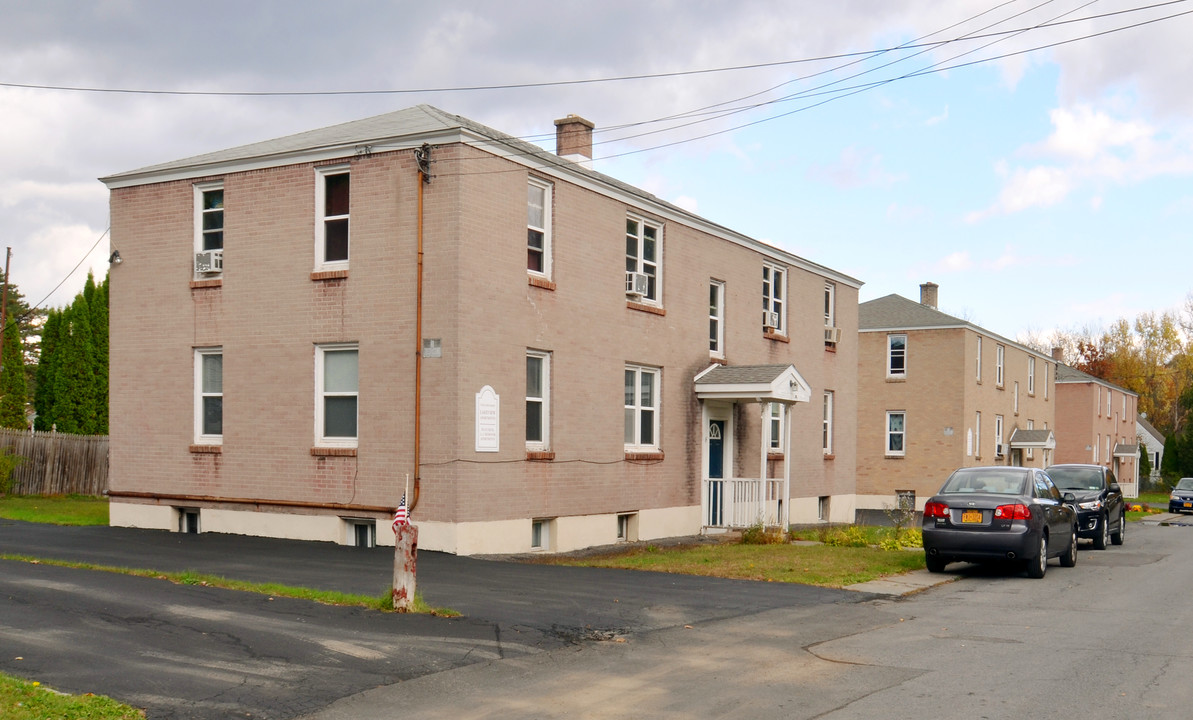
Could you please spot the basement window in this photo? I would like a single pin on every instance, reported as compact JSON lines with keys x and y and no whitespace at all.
{"x":360,"y":532}
{"x":540,"y":534}
{"x":188,"y":520}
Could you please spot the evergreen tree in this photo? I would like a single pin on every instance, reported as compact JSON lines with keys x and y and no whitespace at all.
{"x":97,"y":303}
{"x":13,"y":385}
{"x":1170,"y":464}
{"x":1145,"y":461}
{"x":74,"y":406}
{"x":46,"y":391}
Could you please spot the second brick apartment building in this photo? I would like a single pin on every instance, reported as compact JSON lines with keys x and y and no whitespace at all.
{"x":555,"y":359}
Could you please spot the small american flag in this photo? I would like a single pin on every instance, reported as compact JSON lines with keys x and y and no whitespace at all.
{"x":401,"y":515}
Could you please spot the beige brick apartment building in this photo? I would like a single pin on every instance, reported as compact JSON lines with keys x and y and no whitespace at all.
{"x":937,"y":393}
{"x":593,"y":364}
{"x":1096,"y":423}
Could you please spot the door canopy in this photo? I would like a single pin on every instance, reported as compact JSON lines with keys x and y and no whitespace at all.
{"x":753,"y":383}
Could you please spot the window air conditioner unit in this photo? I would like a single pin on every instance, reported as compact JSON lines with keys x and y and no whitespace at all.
{"x":209,"y":261}
{"x":832,"y":335}
{"x":772,"y":321}
{"x":636,"y":284}
{"x":1000,"y":449}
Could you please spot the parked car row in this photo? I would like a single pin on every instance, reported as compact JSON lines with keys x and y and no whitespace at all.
{"x":1023,"y":515}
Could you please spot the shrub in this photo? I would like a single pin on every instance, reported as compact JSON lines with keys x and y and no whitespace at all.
{"x":8,"y":463}
{"x":759,"y":534}
{"x":850,"y":536}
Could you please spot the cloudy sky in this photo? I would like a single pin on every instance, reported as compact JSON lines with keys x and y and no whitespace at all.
{"x":1032,"y":157}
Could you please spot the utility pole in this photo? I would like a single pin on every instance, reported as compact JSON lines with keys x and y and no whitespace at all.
{"x":4,"y":306}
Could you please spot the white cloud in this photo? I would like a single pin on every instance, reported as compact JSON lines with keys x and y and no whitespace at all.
{"x":938,"y":119}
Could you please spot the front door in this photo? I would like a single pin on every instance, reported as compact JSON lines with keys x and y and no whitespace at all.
{"x":716,"y":449}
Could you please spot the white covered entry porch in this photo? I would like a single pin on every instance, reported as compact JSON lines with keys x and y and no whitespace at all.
{"x":728,"y":501}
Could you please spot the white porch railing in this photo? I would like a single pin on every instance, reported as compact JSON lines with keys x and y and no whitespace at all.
{"x":742,"y":502}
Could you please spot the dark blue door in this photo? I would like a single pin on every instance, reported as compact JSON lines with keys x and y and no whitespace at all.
{"x":716,"y":449}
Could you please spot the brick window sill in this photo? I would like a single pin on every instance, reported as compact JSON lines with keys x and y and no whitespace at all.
{"x":772,"y":455}
{"x":775,"y":336}
{"x":207,"y":449}
{"x":540,"y":455}
{"x":717,"y":360}
{"x":830,"y":456}
{"x":896,"y":378}
{"x":895,"y":457}
{"x":830,"y":347}
{"x":329,"y":274}
{"x":643,"y":307}
{"x":540,"y":282}
{"x":333,"y":452}
{"x":210,"y":283}
{"x":643,"y":456}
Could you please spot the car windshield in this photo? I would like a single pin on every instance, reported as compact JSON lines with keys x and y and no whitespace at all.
{"x":994,"y":482}
{"x":1185,"y":484}
{"x":1076,"y":478}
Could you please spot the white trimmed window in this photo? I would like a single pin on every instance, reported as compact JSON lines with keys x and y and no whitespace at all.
{"x":997,"y":435}
{"x":337,"y":385}
{"x":1031,"y":376}
{"x":1097,"y":444}
{"x":716,"y":318}
{"x":830,"y":305}
{"x":1028,"y":452}
{"x":979,"y":359}
{"x":977,"y":434}
{"x":774,"y":427}
{"x":538,"y":399}
{"x":1109,"y":395}
{"x":896,"y":432}
{"x":538,"y":228}
{"x":332,"y":195}
{"x":209,"y":396}
{"x":641,"y":407}
{"x":1016,"y":398}
{"x":999,"y":362}
{"x":209,"y":229}
{"x":827,"y":436}
{"x":1046,"y":375}
{"x":774,"y":292}
{"x":896,"y":355}
{"x":643,"y":255}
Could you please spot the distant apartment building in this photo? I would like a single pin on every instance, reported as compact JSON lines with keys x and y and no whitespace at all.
{"x":1096,"y":423}
{"x":547,"y":357}
{"x":936,"y":393}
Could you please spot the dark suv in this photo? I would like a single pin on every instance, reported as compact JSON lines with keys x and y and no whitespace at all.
{"x":1101,"y":512}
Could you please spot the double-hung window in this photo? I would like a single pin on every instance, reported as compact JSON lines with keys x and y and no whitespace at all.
{"x":896,"y":432}
{"x":827,"y":437}
{"x":830,"y":303}
{"x":775,"y":427}
{"x":538,"y":397}
{"x":209,"y":229}
{"x":979,"y":359}
{"x":977,"y":433}
{"x":1000,"y":352}
{"x":209,"y":396}
{"x":998,"y":449}
{"x":641,"y":407}
{"x":332,"y":193}
{"x":337,"y":389}
{"x":1031,"y":376}
{"x":716,"y":318}
{"x":896,"y":355}
{"x":1031,"y":424}
{"x":643,"y":254}
{"x":538,"y":228}
{"x":774,"y":292}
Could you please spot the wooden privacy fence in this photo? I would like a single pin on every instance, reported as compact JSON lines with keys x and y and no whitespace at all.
{"x":57,"y":463}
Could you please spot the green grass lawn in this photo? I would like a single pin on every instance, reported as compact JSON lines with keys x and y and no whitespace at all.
{"x":55,"y":509}
{"x":30,"y":700}
{"x":821,"y":565}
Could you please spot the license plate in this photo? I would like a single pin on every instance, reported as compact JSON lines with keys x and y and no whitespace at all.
{"x":971,"y":516}
{"x":1189,"y":504}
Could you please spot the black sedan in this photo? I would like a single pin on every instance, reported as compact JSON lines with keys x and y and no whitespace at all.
{"x":1181,"y":499}
{"x":984,"y":514}
{"x":1101,"y":512}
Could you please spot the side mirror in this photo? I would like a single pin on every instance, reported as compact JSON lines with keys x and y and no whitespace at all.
{"x":1114,"y":487}
{"x":1069,"y":498}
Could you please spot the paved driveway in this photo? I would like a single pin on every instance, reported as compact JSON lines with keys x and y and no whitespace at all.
{"x":186,"y":651}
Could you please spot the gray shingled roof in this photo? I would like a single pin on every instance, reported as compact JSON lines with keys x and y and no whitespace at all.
{"x":742,"y":374}
{"x":897,"y":312}
{"x":1066,"y":374}
{"x":1149,"y":428}
{"x":1022,"y":437}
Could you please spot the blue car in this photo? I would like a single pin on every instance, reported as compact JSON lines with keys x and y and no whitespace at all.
{"x":1003,"y":514}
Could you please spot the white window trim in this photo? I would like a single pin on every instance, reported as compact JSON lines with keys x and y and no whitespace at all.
{"x":1046,"y":376}
{"x":1031,"y":376}
{"x":977,"y":434}
{"x":719,"y":316}
{"x":769,"y":302}
{"x":199,"y":189}
{"x":643,"y":223}
{"x":889,"y":371}
{"x":1097,"y":443}
{"x":979,"y":360}
{"x":775,"y":436}
{"x":999,"y":365}
{"x":830,"y":302}
{"x":200,"y":437}
{"x":1016,"y":398}
{"x":640,"y":370}
{"x":827,"y":437}
{"x":1028,"y":452}
{"x":545,"y":401}
{"x":320,"y":439}
{"x":548,"y":191}
{"x":887,"y":434}
{"x":998,"y":431}
{"x":321,"y":175}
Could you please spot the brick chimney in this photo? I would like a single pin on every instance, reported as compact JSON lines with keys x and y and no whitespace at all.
{"x":573,"y":140}
{"x":928,"y":294}
{"x":1058,"y":354}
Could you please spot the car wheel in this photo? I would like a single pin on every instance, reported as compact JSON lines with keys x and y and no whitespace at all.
{"x":1036,"y":567}
{"x":935,"y":564}
{"x":1069,"y":559}
{"x":1103,"y":537}
{"x":1118,"y":537}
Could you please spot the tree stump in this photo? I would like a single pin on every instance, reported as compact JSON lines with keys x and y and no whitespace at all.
{"x":405,"y":567}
